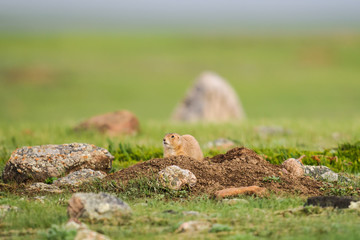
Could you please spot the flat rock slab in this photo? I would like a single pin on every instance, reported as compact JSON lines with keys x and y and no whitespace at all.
{"x":43,"y":187}
{"x":77,"y":178}
{"x":35,"y":164}
{"x":100,"y":207}
{"x":231,"y":192}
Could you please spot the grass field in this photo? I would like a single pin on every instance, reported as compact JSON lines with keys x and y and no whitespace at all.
{"x":47,"y":79}
{"x":308,"y":85}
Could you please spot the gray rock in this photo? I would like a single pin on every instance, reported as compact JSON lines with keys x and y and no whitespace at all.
{"x":321,"y":173}
{"x":191,"y":213}
{"x":31,"y":164}
{"x":83,"y":232}
{"x":74,"y":224}
{"x":193,"y":226}
{"x":43,"y":187}
{"x":174,"y":178}
{"x":211,"y":99}
{"x":79,"y":177}
{"x":40,"y":199}
{"x":100,"y":207}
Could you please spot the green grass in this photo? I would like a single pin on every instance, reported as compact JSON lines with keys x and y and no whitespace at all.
{"x":151,"y":219}
{"x":64,"y":77}
{"x":307,"y":85}
{"x":310,"y":138}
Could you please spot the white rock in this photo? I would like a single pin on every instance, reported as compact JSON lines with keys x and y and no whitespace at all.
{"x":100,"y":207}
{"x":174,"y":177}
{"x":355,"y":205}
{"x":193,"y":226}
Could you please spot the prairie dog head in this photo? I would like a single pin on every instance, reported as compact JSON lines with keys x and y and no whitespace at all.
{"x":171,"y":140}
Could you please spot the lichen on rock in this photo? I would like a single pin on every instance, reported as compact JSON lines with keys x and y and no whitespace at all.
{"x":37,"y":163}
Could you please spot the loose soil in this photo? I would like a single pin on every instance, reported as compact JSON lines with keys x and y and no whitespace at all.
{"x":239,"y":167}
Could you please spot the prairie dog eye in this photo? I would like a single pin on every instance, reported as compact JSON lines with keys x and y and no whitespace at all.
{"x":172,"y":136}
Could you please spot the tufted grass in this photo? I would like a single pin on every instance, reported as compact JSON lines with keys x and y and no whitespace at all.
{"x":154,"y":218}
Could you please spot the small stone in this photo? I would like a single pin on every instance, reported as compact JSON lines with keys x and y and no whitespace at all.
{"x":331,"y":201}
{"x":174,"y":178}
{"x":193,"y":226}
{"x":75,"y":224}
{"x":191,"y":213}
{"x":40,"y":199}
{"x":170,"y":211}
{"x":231,"y":192}
{"x":87,"y":234}
{"x":77,"y":178}
{"x":100,"y":207}
{"x":43,"y":187}
{"x":355,"y":205}
{"x":7,"y":208}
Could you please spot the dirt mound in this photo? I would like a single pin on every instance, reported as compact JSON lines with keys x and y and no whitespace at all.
{"x":239,"y":167}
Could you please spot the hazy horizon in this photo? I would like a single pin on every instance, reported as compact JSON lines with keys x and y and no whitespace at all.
{"x":197,"y":15}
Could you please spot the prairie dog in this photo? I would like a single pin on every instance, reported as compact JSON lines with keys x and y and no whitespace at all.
{"x":186,"y":145}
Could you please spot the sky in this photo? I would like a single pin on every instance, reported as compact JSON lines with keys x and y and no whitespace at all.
{"x":232,"y":15}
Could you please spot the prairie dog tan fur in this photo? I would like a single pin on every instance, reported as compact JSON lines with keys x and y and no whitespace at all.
{"x":186,"y":145}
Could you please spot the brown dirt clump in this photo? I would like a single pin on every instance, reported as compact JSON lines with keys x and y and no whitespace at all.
{"x":239,"y":167}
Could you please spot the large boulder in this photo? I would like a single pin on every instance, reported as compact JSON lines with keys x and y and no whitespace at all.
{"x":35,"y":164}
{"x":100,"y":207}
{"x":114,"y":123}
{"x":211,"y":99}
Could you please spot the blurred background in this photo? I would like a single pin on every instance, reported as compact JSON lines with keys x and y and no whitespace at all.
{"x":64,"y":61}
